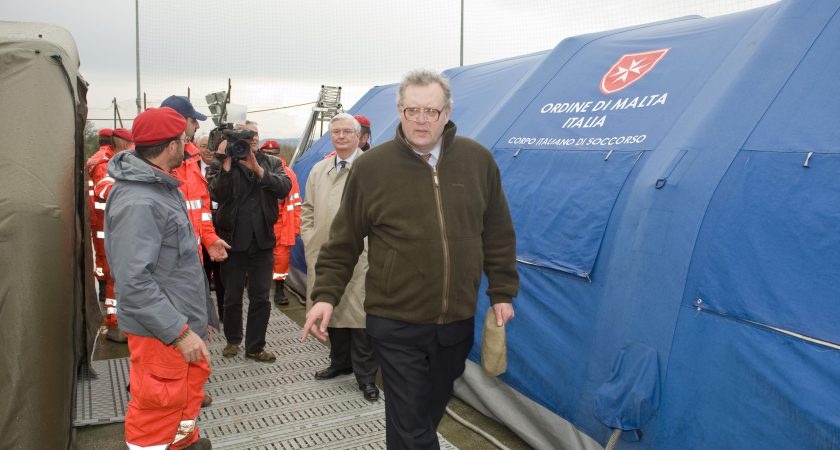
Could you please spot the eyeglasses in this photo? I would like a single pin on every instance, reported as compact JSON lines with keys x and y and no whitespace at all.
{"x":341,"y":132}
{"x":413,"y":114}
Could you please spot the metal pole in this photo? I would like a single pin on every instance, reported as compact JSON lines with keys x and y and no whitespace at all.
{"x":144,"y":100}
{"x":462,"y":32}
{"x":137,"y":47}
{"x":115,"y":112}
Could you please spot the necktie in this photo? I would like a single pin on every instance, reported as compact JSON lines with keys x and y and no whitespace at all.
{"x":426,"y":156}
{"x":341,"y":166}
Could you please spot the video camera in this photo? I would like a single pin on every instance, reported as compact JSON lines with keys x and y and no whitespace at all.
{"x":238,"y":141}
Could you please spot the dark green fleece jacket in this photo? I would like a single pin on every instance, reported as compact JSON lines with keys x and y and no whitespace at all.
{"x":431,"y":232}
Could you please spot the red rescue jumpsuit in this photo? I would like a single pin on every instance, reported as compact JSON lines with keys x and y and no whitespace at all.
{"x":287,"y":226}
{"x":194,"y":188}
{"x":99,"y":184}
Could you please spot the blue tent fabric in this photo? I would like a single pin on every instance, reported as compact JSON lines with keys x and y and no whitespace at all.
{"x":767,"y":251}
{"x":630,"y":397}
{"x":703,"y":196}
{"x":560,"y":220}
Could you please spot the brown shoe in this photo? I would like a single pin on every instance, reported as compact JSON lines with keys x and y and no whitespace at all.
{"x":207,"y":400}
{"x":262,"y":356}
{"x":116,"y":335}
{"x":230,"y":350}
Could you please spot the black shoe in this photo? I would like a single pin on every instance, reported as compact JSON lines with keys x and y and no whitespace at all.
{"x":200,"y":444}
{"x":331,"y":372}
{"x":369,"y":391}
{"x":101,"y":294}
{"x":280,"y":294}
{"x":116,"y":335}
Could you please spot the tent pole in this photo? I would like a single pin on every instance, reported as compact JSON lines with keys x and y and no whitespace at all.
{"x":462,"y":32}
{"x":137,"y":47}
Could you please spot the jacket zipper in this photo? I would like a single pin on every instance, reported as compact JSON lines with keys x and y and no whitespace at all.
{"x":445,"y":245}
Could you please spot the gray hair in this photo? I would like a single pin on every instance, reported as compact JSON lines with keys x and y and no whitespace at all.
{"x":425,"y":77}
{"x":345,"y":116}
{"x":241,"y":126}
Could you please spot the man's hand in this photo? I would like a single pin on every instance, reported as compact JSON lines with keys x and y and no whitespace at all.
{"x":222,"y":150}
{"x":504,"y":313}
{"x":251,"y":164}
{"x":320,"y":311}
{"x":218,"y":250}
{"x":193,"y":348}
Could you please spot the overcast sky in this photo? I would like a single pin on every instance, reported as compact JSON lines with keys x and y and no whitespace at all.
{"x":279,"y":52}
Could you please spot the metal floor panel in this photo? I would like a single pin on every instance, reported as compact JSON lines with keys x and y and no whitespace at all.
{"x":258,"y":405}
{"x":102,"y":398}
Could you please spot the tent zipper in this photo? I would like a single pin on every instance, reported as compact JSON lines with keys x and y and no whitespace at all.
{"x":699,"y":307}
{"x":445,"y":244}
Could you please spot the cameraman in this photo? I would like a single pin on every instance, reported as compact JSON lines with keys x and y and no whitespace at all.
{"x":247,"y":188}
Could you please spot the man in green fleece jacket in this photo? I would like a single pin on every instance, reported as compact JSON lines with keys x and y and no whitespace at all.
{"x":432,"y":207}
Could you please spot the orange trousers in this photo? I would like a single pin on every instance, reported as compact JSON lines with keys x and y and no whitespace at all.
{"x":282,"y":253}
{"x":166,"y":394}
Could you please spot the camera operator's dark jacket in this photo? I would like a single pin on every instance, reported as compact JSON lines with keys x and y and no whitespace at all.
{"x":274,"y":184}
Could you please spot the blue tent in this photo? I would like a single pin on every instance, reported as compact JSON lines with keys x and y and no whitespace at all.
{"x":675,"y":189}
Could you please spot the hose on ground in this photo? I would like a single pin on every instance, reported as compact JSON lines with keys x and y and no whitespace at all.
{"x":474,"y":428}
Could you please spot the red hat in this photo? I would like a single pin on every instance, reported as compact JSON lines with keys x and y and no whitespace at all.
{"x":106,"y":132}
{"x":156,"y":125}
{"x":363,"y":121}
{"x":269,"y":144}
{"x":123,"y":134}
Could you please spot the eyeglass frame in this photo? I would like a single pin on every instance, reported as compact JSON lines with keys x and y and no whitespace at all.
{"x":343,"y":131}
{"x":423,"y":112}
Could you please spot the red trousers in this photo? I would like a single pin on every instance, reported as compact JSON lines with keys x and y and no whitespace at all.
{"x":110,"y":319}
{"x":282,"y":253}
{"x":166,"y":394}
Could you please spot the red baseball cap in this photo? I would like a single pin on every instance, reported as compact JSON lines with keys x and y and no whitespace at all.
{"x":363,"y":121}
{"x":106,"y":132}
{"x":269,"y":144}
{"x":123,"y":134}
{"x":156,"y":125}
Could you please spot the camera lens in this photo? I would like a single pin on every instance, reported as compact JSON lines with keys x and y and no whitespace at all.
{"x":240,"y":149}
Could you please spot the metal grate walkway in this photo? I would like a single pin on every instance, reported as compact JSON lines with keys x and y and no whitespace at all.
{"x":102,"y":399}
{"x":258,"y":405}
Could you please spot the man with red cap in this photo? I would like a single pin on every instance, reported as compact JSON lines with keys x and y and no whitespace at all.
{"x":97,"y":235}
{"x":164,"y":306}
{"x":99,"y":183}
{"x":286,"y":228}
{"x":364,"y":136}
{"x":194,"y":187}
